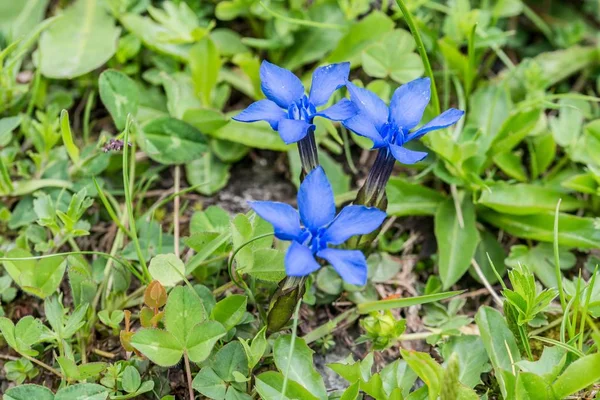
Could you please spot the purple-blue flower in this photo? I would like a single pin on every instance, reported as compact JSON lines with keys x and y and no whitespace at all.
{"x":288,"y":109}
{"x":315,"y":226}
{"x":390,"y":127}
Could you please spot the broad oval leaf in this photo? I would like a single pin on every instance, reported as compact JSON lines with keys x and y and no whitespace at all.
{"x":579,"y":375}
{"x":456,"y":243}
{"x":202,"y":339}
{"x":168,"y":269}
{"x":29,"y":392}
{"x":183,"y":312}
{"x":573,"y":231}
{"x":82,"y":391}
{"x":299,"y":368}
{"x":161,"y":347}
{"x":405,"y":198}
{"x":170,"y":141}
{"x":500,"y":345}
{"x":231,"y":360}
{"x":257,"y":134}
{"x":81,"y":40}
{"x":230,"y":310}
{"x":207,"y":173}
{"x":119,"y":94}
{"x":524,"y":199}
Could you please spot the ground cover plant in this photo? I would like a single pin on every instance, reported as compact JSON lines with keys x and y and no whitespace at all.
{"x":292,"y":199}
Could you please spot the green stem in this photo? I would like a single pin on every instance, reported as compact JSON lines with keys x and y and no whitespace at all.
{"x":558,"y":274}
{"x":422,"y":52}
{"x":128,"y":185}
{"x":291,"y":352}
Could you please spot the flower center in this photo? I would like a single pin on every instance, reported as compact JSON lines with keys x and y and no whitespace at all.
{"x":391,"y":133}
{"x":313,"y":239}
{"x":302,"y":110}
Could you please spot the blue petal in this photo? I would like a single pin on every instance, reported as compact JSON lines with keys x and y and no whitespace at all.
{"x":350,"y":264}
{"x":292,"y":130}
{"x":406,"y":156}
{"x":409,"y":102}
{"x":315,"y":200}
{"x":363,"y":126}
{"x":299,"y":261}
{"x":353,"y":220}
{"x":280,"y":85}
{"x":444,"y":120}
{"x":326,"y":80}
{"x":340,"y":111}
{"x":369,"y":104}
{"x":262,"y":110}
{"x":283,"y":217}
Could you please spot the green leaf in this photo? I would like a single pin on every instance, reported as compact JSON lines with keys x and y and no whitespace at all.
{"x":168,"y":269}
{"x":340,"y":181}
{"x":29,"y":392}
{"x":230,"y":310}
{"x":229,"y":359}
{"x":299,"y":368}
{"x":514,"y":129}
{"x":567,"y":126}
{"x":524,"y":199}
{"x":119,"y":94}
{"x":82,"y":391}
{"x":7,"y":126}
{"x":81,"y":40}
{"x":532,"y":387}
{"x":456,"y":243}
{"x":393,"y":57}
{"x":161,"y":347}
{"x":40,"y":278}
{"x":213,"y":219}
{"x":405,"y":198}
{"x":209,"y":172}
{"x":579,"y":375}
{"x":257,"y":349}
{"x":511,"y":163}
{"x":270,"y":385}
{"x":208,"y":383}
{"x":360,"y":35}
{"x":500,"y":345}
{"x":573,"y":231}
{"x":258,"y":135}
{"x":202,"y":339}
{"x":427,"y":369}
{"x":67,"y":137}
{"x":20,"y":18}
{"x":550,"y":364}
{"x":473,"y":359}
{"x":540,"y":260}
{"x":312,"y":44}
{"x":489,"y":246}
{"x":183,"y":312}
{"x":367,"y":307}
{"x":205,"y":63}
{"x":268,"y":265}
{"x":180,"y":94}
{"x":205,"y":119}
{"x":171,"y":141}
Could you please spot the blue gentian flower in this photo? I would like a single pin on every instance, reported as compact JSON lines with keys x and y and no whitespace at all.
{"x":288,"y":109}
{"x":390,"y":127}
{"x":316,"y":226}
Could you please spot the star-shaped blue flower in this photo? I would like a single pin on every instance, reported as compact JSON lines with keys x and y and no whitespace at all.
{"x":316,"y":226}
{"x":288,"y":109}
{"x":390,"y":127}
